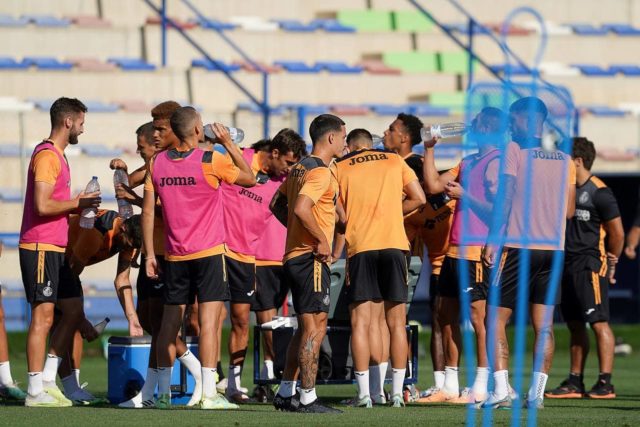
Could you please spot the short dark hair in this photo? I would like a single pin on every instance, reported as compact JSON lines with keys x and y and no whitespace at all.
{"x":324,"y":124}
{"x":133,"y":230}
{"x":289,"y":140}
{"x":529,"y":104}
{"x":63,"y":107}
{"x":584,"y":149}
{"x":146,"y":131}
{"x":164,"y":110}
{"x":413,"y":126}
{"x":359,"y":134}
{"x":182,"y":121}
{"x":262,"y":145}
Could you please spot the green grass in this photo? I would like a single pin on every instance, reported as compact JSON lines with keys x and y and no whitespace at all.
{"x":623,"y":411}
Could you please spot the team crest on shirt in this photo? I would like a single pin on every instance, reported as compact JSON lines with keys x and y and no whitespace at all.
{"x":47,"y":291}
{"x":584,"y":198}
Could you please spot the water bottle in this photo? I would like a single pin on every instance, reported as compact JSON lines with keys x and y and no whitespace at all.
{"x":237,"y":135}
{"x":125,"y":210}
{"x":377,"y":141}
{"x":88,"y":216}
{"x":443,"y":131}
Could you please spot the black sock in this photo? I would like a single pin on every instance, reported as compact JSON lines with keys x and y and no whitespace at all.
{"x":220,"y":371}
{"x":604,"y":378}
{"x":576,"y":379}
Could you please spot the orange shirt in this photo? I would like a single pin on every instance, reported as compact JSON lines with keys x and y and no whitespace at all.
{"x":371,"y":186}
{"x":311,"y":178}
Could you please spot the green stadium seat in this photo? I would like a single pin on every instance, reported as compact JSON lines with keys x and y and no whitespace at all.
{"x":454,"y":62}
{"x":411,"y":20}
{"x":366,"y":20}
{"x":454,"y":100}
{"x":416,"y":62}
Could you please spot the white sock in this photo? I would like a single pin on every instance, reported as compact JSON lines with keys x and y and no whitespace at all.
{"x":164,"y":380}
{"x":51,"y":368}
{"x":362,"y":377}
{"x":192,"y":364}
{"x":480,"y":384}
{"x":438,"y":379}
{"x":150,"y":383}
{"x":76,"y":372}
{"x":538,"y":384}
{"x":501,"y":380}
{"x":307,"y":395}
{"x":374,"y":381}
{"x":383,"y":375}
{"x":267,"y":370}
{"x":35,"y":383}
{"x":209,"y":382}
{"x":70,"y":384}
{"x":451,"y":385}
{"x":5,"y":374}
{"x":410,"y":367}
{"x":397,"y":381}
{"x":287,"y":388}
{"x":233,"y":380}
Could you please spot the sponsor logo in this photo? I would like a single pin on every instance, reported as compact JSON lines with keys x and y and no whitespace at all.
{"x":545,"y":155}
{"x":466,"y":291}
{"x":298,"y":173}
{"x":367,"y":158}
{"x":430,"y":223}
{"x":584,"y":198}
{"x":251,"y":195}
{"x":588,"y":312}
{"x":250,"y":293}
{"x":158,"y":286}
{"x":177,"y":180}
{"x":582,"y":215}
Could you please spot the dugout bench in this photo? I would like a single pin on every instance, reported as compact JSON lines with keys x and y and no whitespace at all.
{"x":335,"y":365}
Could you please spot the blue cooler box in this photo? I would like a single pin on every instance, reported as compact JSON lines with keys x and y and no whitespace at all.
{"x":128,"y":362}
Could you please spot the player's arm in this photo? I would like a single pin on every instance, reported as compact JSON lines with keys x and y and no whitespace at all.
{"x":633,"y":238}
{"x":499,"y":219}
{"x":147,"y":220}
{"x":339,"y":239}
{"x":608,"y":211}
{"x":415,"y":197}
{"x":47,"y":206}
{"x":245,"y":178}
{"x":124,"y":292}
{"x":433,"y":182}
{"x":302,"y":210}
{"x":280,"y":207}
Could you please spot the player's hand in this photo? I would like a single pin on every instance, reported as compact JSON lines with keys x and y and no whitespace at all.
{"x":87,"y":331}
{"x":612,"y":261}
{"x":152,"y":267}
{"x":118,"y":164}
{"x":454,"y":190}
{"x":488,"y":255}
{"x":125,"y":192}
{"x":88,"y":200}
{"x":630,"y":252}
{"x":431,"y":143}
{"x":323,"y":251}
{"x":222,"y":134}
{"x":135,"y":330}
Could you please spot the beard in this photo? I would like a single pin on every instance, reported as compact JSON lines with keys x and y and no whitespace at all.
{"x":73,"y":139}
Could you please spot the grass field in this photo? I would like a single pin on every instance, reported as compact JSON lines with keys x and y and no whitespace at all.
{"x":623,"y":411}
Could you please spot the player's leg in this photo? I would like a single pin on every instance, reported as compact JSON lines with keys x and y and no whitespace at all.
{"x":8,"y":388}
{"x":478,"y":314}
{"x":449,"y":318}
{"x":379,"y":350}
{"x":436,"y":345}
{"x":605,"y":342}
{"x":238,"y":344}
{"x":313,"y":326}
{"x":396,"y":315}
{"x":191,"y":321}
{"x":284,"y":399}
{"x":542,"y":321}
{"x":360,"y":313}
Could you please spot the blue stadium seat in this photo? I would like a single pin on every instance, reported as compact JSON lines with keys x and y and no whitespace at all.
{"x":309,"y":109}
{"x":214,"y":24}
{"x":132,"y":64}
{"x":297,"y":67}
{"x":9,"y":150}
{"x":101,"y":107}
{"x":464,"y":29}
{"x":250,"y":106}
{"x":43,"y":104}
{"x":387,"y":109}
{"x":10,"y":195}
{"x":97,"y":150}
{"x":8,"y":63}
{"x":593,"y":70}
{"x":339,"y":67}
{"x":622,"y":29}
{"x":626,"y":69}
{"x":47,"y":20}
{"x":605,"y":111}
{"x":516,"y":70}
{"x":47,"y":63}
{"x":429,"y":110}
{"x":10,"y":21}
{"x":588,"y":30}
{"x":332,"y":26}
{"x":215,"y":65}
{"x":10,"y":240}
{"x":294,"y":26}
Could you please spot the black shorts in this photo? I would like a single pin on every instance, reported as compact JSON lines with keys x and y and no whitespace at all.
{"x":538,"y":281}
{"x":242,"y":280}
{"x":70,"y":284}
{"x":271,"y":287}
{"x":205,"y":278}
{"x":378,"y":275}
{"x":450,"y":284}
{"x":147,"y":287}
{"x":310,"y":281}
{"x":41,"y":274}
{"x":585,"y":292}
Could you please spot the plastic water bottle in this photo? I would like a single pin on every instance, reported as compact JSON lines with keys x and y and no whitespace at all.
{"x":88,"y":216}
{"x":443,"y":131}
{"x":125,"y":210}
{"x":378,"y":141}
{"x":237,"y":135}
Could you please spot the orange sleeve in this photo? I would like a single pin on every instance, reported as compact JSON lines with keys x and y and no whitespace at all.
{"x":316,"y":183}
{"x":512,"y":159}
{"x":46,"y":167}
{"x":408,"y":175}
{"x":455,"y":171}
{"x":148,"y":182}
{"x":223,"y":168}
{"x":87,"y":244}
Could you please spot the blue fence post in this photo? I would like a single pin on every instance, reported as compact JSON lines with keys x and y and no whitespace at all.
{"x":266,"y":111}
{"x":164,"y":33}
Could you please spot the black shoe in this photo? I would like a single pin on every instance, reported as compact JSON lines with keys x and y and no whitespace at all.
{"x":286,"y":404}
{"x":566,"y":390}
{"x":316,"y":407}
{"x":602,"y":390}
{"x":263,"y":394}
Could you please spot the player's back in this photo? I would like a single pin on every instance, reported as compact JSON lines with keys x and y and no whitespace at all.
{"x":371,"y":186}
